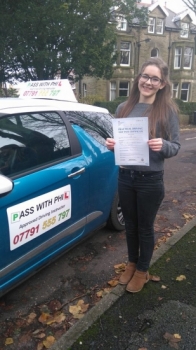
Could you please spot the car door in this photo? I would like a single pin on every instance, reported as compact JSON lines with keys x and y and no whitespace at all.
{"x":92,"y":128}
{"x":45,"y":213}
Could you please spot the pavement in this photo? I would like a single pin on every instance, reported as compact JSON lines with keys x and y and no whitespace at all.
{"x":162,"y":316}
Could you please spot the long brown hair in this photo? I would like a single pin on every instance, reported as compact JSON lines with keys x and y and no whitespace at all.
{"x":162,"y":107}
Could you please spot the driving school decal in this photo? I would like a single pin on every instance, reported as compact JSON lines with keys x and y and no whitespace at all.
{"x":36,"y":216}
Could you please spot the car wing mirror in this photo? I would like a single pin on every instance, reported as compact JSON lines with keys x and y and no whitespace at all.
{"x":6,"y":185}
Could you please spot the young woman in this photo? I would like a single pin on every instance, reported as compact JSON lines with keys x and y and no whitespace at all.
{"x":141,"y":188}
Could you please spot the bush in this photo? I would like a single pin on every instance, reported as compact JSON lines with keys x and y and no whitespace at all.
{"x":90,"y":99}
{"x":111,"y":105}
{"x":8,"y":92}
{"x":186,"y":107}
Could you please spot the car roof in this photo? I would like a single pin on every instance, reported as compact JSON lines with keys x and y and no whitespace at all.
{"x":16,"y":105}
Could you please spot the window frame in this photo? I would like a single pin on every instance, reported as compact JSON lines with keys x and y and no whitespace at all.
{"x":151,"y":24}
{"x":92,"y":123}
{"x":161,"y":26}
{"x":175,"y":89}
{"x":186,"y":30}
{"x":157,"y":52}
{"x":190,"y":57}
{"x":124,"y":89}
{"x":84,"y":89}
{"x":125,"y":50}
{"x":122,"y":23}
{"x":71,"y":137}
{"x":179,"y":56}
{"x":184,"y":89}
{"x":113,"y":90}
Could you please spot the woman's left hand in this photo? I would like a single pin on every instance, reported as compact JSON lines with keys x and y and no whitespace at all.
{"x":155,"y":144}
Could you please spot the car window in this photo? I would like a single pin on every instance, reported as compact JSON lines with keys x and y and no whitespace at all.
{"x":30,"y":140}
{"x":98,"y":125}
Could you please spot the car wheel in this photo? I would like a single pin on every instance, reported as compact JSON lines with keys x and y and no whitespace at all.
{"x":116,"y":220}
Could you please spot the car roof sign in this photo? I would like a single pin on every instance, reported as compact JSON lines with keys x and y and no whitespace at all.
{"x":48,"y":89}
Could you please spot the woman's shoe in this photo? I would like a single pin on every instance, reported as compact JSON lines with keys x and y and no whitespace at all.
{"x":128,"y":273}
{"x":137,"y":282}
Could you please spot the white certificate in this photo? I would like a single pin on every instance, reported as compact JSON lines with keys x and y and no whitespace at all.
{"x":131,"y":136}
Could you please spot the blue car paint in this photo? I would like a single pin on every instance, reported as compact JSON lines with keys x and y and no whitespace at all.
{"x":92,"y":195}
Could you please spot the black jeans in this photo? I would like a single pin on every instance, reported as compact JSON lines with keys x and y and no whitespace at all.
{"x":141,"y":194}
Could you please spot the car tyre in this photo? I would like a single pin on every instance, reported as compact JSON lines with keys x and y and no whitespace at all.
{"x":116,"y":220}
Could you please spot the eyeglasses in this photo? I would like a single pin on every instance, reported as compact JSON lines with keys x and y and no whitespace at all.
{"x":154,"y":80}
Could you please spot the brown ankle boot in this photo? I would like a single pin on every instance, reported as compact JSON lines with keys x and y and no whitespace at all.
{"x":138,"y":281}
{"x":128,"y":273}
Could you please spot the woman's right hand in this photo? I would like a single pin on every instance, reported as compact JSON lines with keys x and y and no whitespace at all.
{"x":110,"y":143}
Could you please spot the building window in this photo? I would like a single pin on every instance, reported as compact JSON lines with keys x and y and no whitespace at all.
{"x":114,"y":53}
{"x":184,"y":30}
{"x":155,"y":25}
{"x":175,"y":87}
{"x":185,"y":92}
{"x":112,"y":90}
{"x":159,"y":26}
{"x":125,"y":49}
{"x":178,"y":57}
{"x":124,"y":89}
{"x":154,"y":53}
{"x":84,"y":90}
{"x":151,"y":25}
{"x":188,"y":54}
{"x":183,"y":58}
{"x":122,"y":23}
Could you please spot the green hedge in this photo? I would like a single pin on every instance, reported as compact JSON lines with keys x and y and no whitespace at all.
{"x":185,"y":107}
{"x":111,"y":105}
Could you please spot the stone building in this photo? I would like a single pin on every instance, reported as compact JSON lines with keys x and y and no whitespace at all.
{"x":168,"y":35}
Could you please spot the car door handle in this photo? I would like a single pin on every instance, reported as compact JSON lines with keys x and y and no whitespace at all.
{"x":77,"y":172}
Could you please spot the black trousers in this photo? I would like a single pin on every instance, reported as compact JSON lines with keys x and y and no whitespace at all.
{"x":141,"y":194}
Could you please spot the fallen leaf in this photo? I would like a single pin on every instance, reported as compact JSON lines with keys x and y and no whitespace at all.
{"x":187,"y":216}
{"x":37,"y":331}
{"x":40,"y":336}
{"x":103,"y":292}
{"x":99,"y":294}
{"x":163,"y":287}
{"x":177,"y":336}
{"x":113,"y":283}
{"x":119,"y":268}
{"x":40,"y":346}
{"x":74,"y":309}
{"x":9,"y":341}
{"x":84,"y":307}
{"x":180,"y":278}
{"x":78,"y":309}
{"x":50,"y":340}
{"x":31,"y":317}
{"x":59,"y":317}
{"x":173,"y":339}
{"x":44,"y":317}
{"x":175,"y":201}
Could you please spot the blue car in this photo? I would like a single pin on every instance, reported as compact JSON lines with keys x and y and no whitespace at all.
{"x":58,"y":182}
